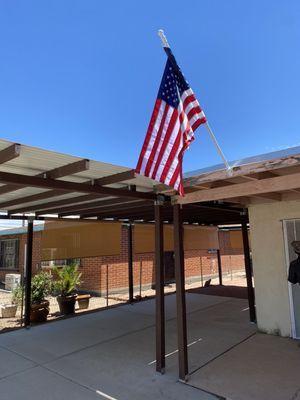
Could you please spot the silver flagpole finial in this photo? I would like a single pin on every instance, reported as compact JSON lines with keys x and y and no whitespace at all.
{"x":163,"y":38}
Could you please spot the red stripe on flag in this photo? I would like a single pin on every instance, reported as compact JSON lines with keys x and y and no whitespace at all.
{"x":198,"y":122}
{"x":188,"y":100}
{"x":175,"y":175}
{"x":148,"y":134}
{"x":194,"y":111}
{"x":157,"y":140}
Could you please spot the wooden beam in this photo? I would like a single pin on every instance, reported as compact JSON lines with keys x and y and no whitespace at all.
{"x":57,"y":203}
{"x":134,"y":209}
{"x":115,"y":178}
{"x":180,"y":293}
{"x":34,"y":197}
{"x":104,"y":206}
{"x":10,"y":152}
{"x":159,"y":290}
{"x":219,"y":207}
{"x":65,"y":170}
{"x":77,"y":208}
{"x":46,"y":183}
{"x":268,"y":166}
{"x":263,"y":186}
{"x":269,"y":196}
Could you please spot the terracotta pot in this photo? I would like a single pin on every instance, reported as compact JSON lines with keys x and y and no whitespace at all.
{"x":67,"y":304}
{"x":83,"y":301}
{"x":39,"y":312}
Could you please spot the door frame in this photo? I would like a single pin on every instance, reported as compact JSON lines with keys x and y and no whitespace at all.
{"x":287,"y":262}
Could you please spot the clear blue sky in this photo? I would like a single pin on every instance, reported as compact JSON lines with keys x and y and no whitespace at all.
{"x":82,"y":76}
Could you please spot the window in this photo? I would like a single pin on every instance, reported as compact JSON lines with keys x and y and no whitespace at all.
{"x":60,"y":263}
{"x":9,"y":253}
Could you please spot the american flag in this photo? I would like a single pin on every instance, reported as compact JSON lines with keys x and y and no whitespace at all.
{"x":176,"y":115}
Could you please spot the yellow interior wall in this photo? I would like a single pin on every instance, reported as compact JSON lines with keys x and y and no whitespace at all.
{"x":195,"y":237}
{"x":61,"y":240}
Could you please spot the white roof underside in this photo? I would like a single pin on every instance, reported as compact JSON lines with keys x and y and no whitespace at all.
{"x":33,"y":161}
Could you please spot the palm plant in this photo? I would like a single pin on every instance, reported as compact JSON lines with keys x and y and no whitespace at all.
{"x":67,"y":279}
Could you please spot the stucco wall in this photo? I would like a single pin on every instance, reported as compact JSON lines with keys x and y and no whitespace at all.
{"x":269,"y":264}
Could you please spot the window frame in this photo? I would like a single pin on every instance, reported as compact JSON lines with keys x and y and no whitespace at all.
{"x":3,"y":254}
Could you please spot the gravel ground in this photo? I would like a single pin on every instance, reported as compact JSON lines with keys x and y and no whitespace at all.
{"x":238,"y":279}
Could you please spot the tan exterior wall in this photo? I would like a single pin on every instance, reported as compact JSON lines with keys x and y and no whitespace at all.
{"x":269,"y":264}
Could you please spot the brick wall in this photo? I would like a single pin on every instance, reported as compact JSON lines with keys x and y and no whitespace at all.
{"x":97,"y":272}
{"x":36,"y":254}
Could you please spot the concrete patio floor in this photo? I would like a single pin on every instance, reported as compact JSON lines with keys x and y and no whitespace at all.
{"x":263,"y":367}
{"x":110,"y":354}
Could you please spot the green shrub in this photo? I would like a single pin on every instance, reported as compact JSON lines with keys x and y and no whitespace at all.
{"x":41,"y":286}
{"x":17,"y":295}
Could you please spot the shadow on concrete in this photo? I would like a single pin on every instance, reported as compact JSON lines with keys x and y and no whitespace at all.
{"x":238,"y":292}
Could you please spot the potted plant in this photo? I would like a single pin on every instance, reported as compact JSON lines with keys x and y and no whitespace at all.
{"x":67,"y":280}
{"x":40,"y":288}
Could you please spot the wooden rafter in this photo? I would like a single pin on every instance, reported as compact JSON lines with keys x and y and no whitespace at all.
{"x":54,"y":204}
{"x":65,"y":170}
{"x":116,"y":210}
{"x":10,"y":152}
{"x":115,"y":178}
{"x":289,"y":164}
{"x":76,"y":209}
{"x":252,"y":188}
{"x":46,"y":183}
{"x":32,"y":198}
{"x":57,"y":192}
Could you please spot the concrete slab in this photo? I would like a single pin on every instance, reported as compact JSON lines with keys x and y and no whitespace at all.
{"x":122,"y":368}
{"x":39,"y":383}
{"x":193,"y":302}
{"x":12,"y":363}
{"x":112,"y":353}
{"x":46,"y":342}
{"x":211,"y":332}
{"x":261,"y":368}
{"x":125,"y":365}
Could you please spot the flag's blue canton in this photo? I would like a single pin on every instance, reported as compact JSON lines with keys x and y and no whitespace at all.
{"x":172,"y":82}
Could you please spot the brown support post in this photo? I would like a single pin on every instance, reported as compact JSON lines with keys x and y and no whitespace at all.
{"x":130,"y":262}
{"x":180,"y":293}
{"x":251,"y":298}
{"x":220,"y":267}
{"x":159,"y":289}
{"x":28,"y":273}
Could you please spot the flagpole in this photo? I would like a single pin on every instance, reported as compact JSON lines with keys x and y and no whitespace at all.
{"x":165,"y":45}
{"x":219,"y":150}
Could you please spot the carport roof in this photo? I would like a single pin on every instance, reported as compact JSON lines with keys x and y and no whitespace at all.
{"x":50,"y":184}
{"x":45,"y":184}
